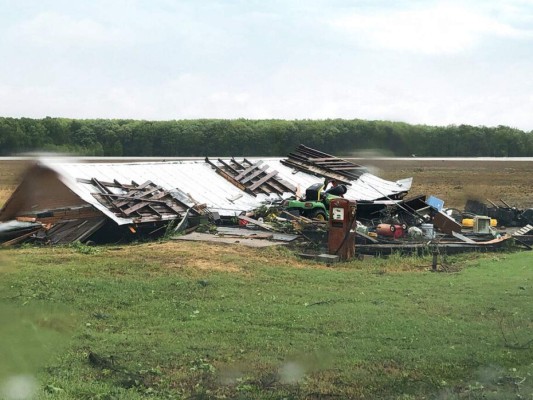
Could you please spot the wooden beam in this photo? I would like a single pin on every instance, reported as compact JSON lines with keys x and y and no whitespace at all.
{"x":153,"y":199}
{"x":263,"y":180}
{"x":20,"y":238}
{"x":233,"y":170}
{"x":253,"y":175}
{"x":108,"y":184}
{"x":134,"y":195}
{"x":256,"y":222}
{"x":314,"y":170}
{"x":228,"y":177}
{"x":248,"y":170}
{"x":100,"y":186}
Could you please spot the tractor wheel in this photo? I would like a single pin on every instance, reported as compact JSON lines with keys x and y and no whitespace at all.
{"x":317,"y":214}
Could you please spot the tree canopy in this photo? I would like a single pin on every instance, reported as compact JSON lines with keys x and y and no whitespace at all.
{"x":242,"y":137}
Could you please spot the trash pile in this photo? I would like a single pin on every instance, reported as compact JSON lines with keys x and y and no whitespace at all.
{"x":413,"y":225}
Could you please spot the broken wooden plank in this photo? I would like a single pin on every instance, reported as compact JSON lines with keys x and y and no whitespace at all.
{"x":20,"y":238}
{"x":462,"y":237}
{"x":322,"y":164}
{"x":107,"y":184}
{"x":263,"y":180}
{"x":100,"y":186}
{"x":228,"y":177}
{"x":258,"y":223}
{"x":229,"y":167}
{"x":366,"y":237}
{"x":255,"y":174}
{"x":315,"y":170}
{"x":143,"y":204}
{"x":248,"y":170}
{"x":153,"y":199}
{"x":139,"y":195}
{"x":155,"y":194}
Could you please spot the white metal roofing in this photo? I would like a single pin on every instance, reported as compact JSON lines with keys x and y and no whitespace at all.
{"x":367,"y":187}
{"x":202,"y":183}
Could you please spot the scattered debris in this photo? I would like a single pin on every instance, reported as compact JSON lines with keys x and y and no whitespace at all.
{"x":206,"y":237}
{"x":60,"y":203}
{"x":256,"y":222}
{"x":65,"y":232}
{"x":16,"y":228}
{"x":506,"y":215}
{"x":226,"y":231}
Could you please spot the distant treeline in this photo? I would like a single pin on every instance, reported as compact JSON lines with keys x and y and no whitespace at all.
{"x":210,"y":137}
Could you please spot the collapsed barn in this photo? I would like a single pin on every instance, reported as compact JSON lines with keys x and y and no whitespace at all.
{"x":61,"y":202}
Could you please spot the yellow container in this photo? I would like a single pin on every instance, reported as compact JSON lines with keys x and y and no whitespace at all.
{"x":469,"y":222}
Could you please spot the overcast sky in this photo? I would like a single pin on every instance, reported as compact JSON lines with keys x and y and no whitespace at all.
{"x":426,"y":62}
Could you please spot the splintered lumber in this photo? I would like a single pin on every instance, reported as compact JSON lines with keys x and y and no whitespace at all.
{"x":258,"y":223}
{"x":20,"y":238}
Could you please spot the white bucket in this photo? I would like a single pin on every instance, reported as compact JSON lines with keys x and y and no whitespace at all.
{"x":429,"y":231}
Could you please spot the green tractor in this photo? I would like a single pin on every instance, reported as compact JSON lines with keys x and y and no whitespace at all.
{"x":315,"y":204}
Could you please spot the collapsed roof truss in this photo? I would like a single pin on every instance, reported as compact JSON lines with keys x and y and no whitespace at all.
{"x":253,"y":178}
{"x":143,"y":203}
{"x":321,"y":164}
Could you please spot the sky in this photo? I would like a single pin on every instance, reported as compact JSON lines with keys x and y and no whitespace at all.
{"x":420,"y":62}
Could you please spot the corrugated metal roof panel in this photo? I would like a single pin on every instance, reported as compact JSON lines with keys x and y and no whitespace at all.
{"x":194,"y":178}
{"x":203,"y":184}
{"x":367,"y":187}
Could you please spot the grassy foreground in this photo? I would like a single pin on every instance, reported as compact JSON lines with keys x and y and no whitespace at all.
{"x":185,"y":320}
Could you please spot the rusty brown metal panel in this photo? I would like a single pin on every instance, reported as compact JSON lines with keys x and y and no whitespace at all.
{"x":446,"y":224}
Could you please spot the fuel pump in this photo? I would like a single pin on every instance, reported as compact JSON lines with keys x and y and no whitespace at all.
{"x":342,"y":224}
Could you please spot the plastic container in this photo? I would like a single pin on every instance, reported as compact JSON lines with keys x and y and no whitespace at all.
{"x":469,"y":222}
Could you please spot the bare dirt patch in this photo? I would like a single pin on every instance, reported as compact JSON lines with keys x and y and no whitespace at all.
{"x":185,"y":256}
{"x":10,"y":176}
{"x":456,"y":181}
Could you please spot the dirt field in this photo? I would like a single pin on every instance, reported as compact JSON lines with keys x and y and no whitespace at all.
{"x":10,"y":175}
{"x":454,"y":181}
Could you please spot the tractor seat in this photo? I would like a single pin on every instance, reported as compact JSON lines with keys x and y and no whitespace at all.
{"x":313,"y":192}
{"x":338,"y":190}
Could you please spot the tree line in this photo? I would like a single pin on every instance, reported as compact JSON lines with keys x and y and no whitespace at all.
{"x":242,"y":137}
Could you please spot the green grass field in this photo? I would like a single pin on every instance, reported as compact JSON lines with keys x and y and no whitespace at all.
{"x":186,"y":320}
